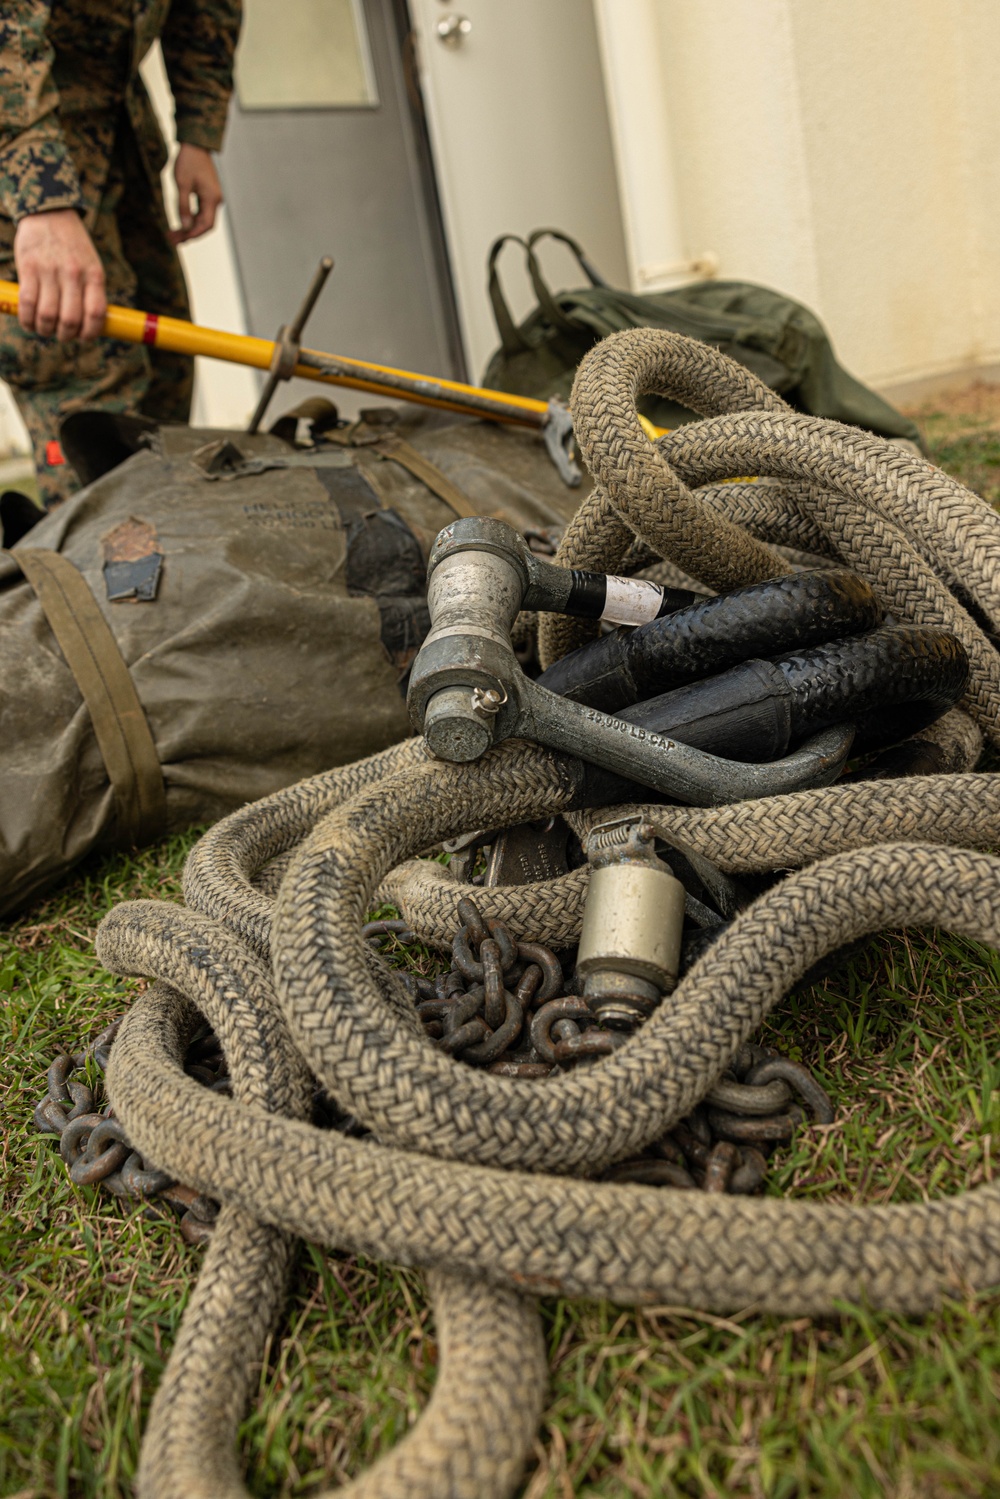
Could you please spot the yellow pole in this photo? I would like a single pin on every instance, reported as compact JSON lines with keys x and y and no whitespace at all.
{"x":179,"y":337}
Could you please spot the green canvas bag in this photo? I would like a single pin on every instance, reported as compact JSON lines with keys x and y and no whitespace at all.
{"x":772,"y":335}
{"x":217,"y":615}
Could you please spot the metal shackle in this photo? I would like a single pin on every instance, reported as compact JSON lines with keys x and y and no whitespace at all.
{"x":467,"y":691}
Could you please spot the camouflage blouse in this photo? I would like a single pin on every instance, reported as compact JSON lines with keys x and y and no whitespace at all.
{"x":69,"y":78}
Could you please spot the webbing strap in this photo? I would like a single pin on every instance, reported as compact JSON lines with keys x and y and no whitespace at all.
{"x":92,"y":655}
{"x":421,"y":468}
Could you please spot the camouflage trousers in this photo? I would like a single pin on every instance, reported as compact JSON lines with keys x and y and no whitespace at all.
{"x":50,"y":379}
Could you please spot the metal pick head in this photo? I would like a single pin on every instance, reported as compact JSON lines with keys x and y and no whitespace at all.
{"x":286,"y":345}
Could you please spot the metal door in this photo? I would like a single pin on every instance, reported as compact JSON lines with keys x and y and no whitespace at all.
{"x":519,"y":125}
{"x":304,"y":177}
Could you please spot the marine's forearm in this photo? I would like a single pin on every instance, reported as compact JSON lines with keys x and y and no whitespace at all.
{"x":199,"y":42}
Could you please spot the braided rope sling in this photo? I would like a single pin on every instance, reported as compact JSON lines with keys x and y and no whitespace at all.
{"x":480,"y":1179}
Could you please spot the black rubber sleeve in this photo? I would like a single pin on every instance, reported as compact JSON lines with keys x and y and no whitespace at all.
{"x":889,"y":683}
{"x":744,"y":713}
{"x":765,"y":619}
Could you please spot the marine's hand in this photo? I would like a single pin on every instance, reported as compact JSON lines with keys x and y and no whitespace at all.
{"x":197,"y":180}
{"x":60,"y":276}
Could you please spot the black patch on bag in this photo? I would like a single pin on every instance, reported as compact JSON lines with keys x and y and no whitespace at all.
{"x":136,"y":580}
{"x":405,"y":623}
{"x":132,"y":562}
{"x":384,"y":562}
{"x":384,"y":556}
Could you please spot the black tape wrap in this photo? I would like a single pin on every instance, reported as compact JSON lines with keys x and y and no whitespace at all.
{"x":890,"y":683}
{"x":765,"y":619}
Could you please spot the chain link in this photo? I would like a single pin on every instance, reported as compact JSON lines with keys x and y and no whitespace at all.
{"x":509,"y":1006}
{"x":96,"y":1149}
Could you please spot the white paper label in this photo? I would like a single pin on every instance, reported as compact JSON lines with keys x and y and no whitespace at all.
{"x":631,"y":601}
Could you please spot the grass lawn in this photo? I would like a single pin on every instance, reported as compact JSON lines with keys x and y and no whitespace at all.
{"x":665,"y":1401}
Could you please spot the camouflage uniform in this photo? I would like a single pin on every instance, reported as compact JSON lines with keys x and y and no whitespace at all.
{"x":77,"y":130}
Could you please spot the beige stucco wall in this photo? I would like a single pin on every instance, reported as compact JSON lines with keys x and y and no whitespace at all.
{"x":844,"y":151}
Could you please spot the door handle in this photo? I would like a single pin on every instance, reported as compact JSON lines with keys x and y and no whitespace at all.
{"x":452,"y":29}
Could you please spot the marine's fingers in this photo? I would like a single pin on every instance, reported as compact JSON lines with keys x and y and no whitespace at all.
{"x":95,"y":302}
{"x":208,"y":206}
{"x":27,"y":302}
{"x":47,"y":313}
{"x":70,"y":310}
{"x":184,"y":178}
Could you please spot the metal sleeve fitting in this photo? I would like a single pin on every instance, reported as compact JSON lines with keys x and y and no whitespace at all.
{"x":477,"y":578}
{"x":634,"y":914}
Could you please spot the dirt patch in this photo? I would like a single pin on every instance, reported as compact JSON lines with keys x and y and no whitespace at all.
{"x":962,"y":433}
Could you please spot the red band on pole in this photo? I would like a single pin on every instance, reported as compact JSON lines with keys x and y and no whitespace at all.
{"x":149,"y":328}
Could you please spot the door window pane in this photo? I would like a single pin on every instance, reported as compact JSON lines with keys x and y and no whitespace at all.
{"x":304,"y":54}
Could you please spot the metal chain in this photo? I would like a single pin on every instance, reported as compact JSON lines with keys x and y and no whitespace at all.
{"x":722,"y":1145}
{"x":508,"y":1006}
{"x":96,"y":1149}
{"x":505,"y":1005}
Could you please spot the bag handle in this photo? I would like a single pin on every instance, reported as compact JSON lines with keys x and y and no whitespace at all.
{"x":511,"y":339}
{"x":320,"y":412}
{"x":586,"y":265}
{"x":546,"y":300}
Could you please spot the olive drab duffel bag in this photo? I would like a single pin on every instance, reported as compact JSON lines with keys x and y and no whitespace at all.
{"x":215,"y":616}
{"x":777,"y":338}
